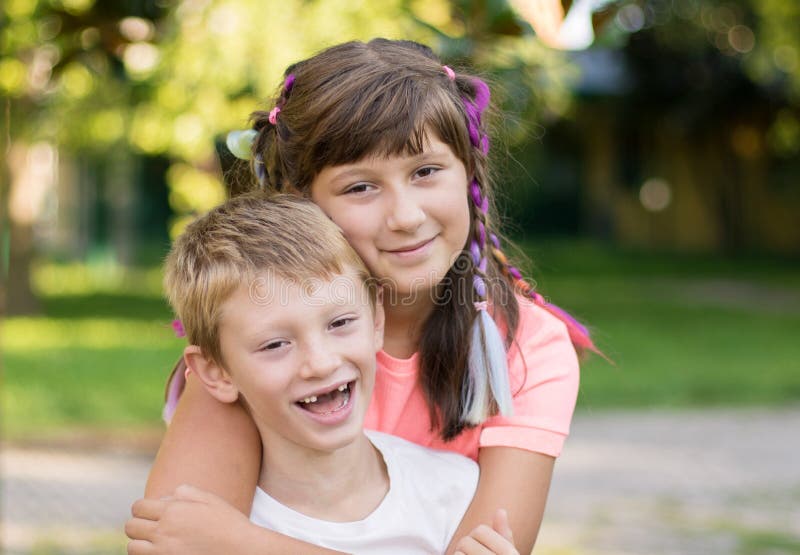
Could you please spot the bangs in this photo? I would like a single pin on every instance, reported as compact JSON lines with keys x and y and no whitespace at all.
{"x":392,"y":118}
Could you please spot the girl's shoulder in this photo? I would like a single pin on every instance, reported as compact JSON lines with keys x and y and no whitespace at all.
{"x":537,"y":323}
{"x":541,"y":343}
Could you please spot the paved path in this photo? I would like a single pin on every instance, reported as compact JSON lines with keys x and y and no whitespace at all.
{"x":704,"y":482}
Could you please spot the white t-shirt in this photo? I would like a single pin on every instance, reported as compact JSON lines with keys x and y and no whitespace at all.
{"x":429,"y":492}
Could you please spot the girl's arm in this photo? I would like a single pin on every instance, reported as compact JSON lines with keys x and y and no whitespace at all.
{"x":513,"y":479}
{"x":216,"y":447}
{"x":211,"y":445}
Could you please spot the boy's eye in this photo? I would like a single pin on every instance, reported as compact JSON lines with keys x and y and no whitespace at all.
{"x":341,"y":322}
{"x":272,"y":345}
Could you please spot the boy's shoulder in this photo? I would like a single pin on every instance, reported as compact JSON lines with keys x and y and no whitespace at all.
{"x":405,"y":455}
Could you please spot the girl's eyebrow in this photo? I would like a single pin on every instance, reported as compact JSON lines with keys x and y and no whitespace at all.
{"x":351,"y":171}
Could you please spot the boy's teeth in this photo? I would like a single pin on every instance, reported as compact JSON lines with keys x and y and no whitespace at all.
{"x":313,"y":398}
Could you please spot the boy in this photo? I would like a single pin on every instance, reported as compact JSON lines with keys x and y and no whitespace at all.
{"x":279,"y":313}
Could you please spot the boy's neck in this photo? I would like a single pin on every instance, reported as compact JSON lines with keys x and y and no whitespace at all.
{"x":345,"y":485}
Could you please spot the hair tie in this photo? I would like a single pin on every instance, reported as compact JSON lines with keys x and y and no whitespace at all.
{"x":273,"y":115}
{"x":481,"y":305}
{"x":177,"y":326}
{"x":450,"y":73}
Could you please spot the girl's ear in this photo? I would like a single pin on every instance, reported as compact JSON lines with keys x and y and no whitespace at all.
{"x":380,"y":320}
{"x":215,"y":378}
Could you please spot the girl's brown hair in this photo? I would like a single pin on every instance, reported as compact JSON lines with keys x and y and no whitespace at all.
{"x":379,"y":98}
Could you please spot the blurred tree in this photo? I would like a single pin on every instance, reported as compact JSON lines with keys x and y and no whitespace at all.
{"x":531,"y":82}
{"x":192,"y":107}
{"x":64,"y":84}
{"x":724,"y":77}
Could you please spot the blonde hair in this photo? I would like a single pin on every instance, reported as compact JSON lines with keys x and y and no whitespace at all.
{"x":238,"y":241}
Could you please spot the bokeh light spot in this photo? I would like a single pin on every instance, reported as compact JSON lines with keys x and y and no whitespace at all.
{"x":77,"y":81}
{"x":655,"y":194}
{"x":741,"y":38}
{"x":107,"y":126}
{"x":19,"y":8}
{"x":785,"y":58}
{"x":140,"y":59}
{"x":630,"y":18}
{"x":12,"y":76}
{"x":136,"y":29}
{"x":89,"y":37}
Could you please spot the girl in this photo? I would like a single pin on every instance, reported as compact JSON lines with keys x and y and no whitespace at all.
{"x":393,"y":146}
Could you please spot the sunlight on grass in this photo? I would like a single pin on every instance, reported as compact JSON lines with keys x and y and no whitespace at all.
{"x":28,"y":334}
{"x":52,"y":279}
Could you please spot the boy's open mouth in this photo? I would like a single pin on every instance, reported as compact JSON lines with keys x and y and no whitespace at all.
{"x":327,"y":403}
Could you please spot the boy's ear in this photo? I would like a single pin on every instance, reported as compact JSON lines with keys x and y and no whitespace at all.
{"x":380,"y":320}
{"x":215,"y":378}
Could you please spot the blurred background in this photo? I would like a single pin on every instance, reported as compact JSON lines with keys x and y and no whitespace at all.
{"x":649,"y":153}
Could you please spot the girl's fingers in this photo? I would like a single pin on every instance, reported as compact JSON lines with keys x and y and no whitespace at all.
{"x":501,"y":526}
{"x":492,"y":541}
{"x":141,"y":529}
{"x":150,"y":509}
{"x":469,"y":545}
{"x":140,"y":547}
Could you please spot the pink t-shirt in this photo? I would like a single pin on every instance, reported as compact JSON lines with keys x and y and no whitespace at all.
{"x":544,"y":375}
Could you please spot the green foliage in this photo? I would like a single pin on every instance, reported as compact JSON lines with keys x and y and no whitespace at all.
{"x":531,"y":82}
{"x":172,"y":82}
{"x":757,"y":37}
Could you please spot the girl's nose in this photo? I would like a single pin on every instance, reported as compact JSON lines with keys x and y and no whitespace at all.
{"x":405,"y":213}
{"x":320,"y":361}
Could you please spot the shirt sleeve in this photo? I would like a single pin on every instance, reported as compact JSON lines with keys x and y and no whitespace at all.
{"x":544,"y":375}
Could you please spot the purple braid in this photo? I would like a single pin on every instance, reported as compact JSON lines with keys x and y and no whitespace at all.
{"x":474,"y":109}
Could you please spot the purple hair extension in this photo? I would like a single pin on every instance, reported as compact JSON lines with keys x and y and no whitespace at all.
{"x":475,"y":109}
{"x":288,"y":84}
{"x":487,"y":364}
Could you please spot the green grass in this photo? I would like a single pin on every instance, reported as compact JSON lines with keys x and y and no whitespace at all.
{"x":683,"y":331}
{"x":92,"y":361}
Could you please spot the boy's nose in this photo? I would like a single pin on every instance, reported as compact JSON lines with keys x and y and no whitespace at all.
{"x":405,"y":213}
{"x":320,"y":361}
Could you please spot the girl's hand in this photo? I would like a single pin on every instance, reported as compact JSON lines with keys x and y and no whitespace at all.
{"x":192,"y":521}
{"x":497,"y":540}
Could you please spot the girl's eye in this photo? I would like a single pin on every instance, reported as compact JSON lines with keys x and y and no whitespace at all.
{"x":426,"y":171}
{"x":358,"y":188}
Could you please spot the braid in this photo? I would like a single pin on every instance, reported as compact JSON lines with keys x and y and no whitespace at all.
{"x":486,"y":388}
{"x":578,"y":333}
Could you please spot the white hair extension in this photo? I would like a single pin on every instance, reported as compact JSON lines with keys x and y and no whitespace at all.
{"x":487,"y":372}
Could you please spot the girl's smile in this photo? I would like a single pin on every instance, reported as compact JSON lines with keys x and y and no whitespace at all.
{"x":406,"y":216}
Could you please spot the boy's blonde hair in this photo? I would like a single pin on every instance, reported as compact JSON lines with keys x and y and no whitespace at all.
{"x":239,"y":241}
